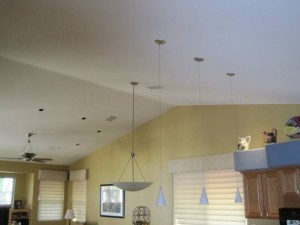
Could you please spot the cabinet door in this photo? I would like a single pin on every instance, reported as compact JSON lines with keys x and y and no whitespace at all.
{"x":253,"y":195}
{"x":270,"y":194}
{"x":289,"y":188}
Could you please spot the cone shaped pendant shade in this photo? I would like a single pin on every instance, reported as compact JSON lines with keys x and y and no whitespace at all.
{"x":203,"y":199}
{"x":132,"y":185}
{"x":238,"y":197}
{"x":160,"y":201}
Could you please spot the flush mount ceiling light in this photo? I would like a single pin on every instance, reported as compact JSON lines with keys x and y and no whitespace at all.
{"x":132,"y":185}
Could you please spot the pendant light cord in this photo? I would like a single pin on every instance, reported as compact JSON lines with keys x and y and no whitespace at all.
{"x":28,"y":143}
{"x":230,"y":75}
{"x":160,"y":119}
{"x":230,"y":86}
{"x":159,"y":43}
{"x":199,"y":84}
{"x":198,"y":60}
{"x":132,"y":136}
{"x":132,"y":154}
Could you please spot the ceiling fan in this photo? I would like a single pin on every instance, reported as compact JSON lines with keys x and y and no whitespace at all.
{"x":29,"y":155}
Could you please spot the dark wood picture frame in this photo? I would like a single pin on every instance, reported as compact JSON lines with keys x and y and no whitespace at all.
{"x":112,"y":201}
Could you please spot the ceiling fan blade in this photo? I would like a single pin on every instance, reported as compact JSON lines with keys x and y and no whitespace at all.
{"x":9,"y":158}
{"x":43,"y":159}
{"x":38,"y":160}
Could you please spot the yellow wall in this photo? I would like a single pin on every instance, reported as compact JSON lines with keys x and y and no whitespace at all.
{"x":187,"y":131}
{"x":27,"y":174}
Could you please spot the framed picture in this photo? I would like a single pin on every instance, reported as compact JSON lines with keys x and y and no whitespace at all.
{"x":112,"y":201}
{"x":18,"y":204}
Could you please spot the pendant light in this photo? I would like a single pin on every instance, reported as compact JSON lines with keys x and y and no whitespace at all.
{"x":238,"y":197}
{"x":132,"y":185}
{"x":203,"y":198}
{"x":160,"y":200}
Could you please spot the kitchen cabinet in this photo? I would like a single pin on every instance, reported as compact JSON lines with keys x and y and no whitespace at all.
{"x":261,"y":194}
{"x":19,"y":215}
{"x":289,"y":184}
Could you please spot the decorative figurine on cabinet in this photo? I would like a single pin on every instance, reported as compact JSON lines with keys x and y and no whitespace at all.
{"x":292,"y":127}
{"x":270,"y":137}
{"x":243,"y":143}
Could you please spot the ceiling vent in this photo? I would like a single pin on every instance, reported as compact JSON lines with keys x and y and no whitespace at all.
{"x":111,"y":118}
{"x":155,"y":87}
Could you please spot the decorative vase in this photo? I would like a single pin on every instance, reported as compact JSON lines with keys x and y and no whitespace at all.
{"x":292,"y":127}
{"x":243,"y":143}
{"x":270,"y":137}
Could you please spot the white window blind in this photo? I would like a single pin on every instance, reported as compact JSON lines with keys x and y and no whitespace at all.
{"x":220,"y":187}
{"x":79,"y":200}
{"x":51,"y":200}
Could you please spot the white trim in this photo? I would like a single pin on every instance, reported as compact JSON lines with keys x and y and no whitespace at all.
{"x":53,"y":175}
{"x":78,"y":175}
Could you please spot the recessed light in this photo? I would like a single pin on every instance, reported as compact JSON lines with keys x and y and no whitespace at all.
{"x":83,"y":118}
{"x":41,"y":110}
{"x":77,"y":144}
{"x":99,"y":131}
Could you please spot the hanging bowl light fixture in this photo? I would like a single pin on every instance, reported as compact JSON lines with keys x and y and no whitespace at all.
{"x":132,"y":185}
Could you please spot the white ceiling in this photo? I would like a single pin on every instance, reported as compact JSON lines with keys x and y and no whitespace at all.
{"x":76,"y":59}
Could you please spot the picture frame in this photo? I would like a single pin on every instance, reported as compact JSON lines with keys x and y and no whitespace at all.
{"x":18,"y":204}
{"x":112,"y":201}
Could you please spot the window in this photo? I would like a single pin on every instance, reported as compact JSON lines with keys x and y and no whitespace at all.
{"x":51,"y":194}
{"x":220,"y":187}
{"x":79,"y":200}
{"x":79,"y":181}
{"x":6,"y":190}
{"x":51,"y":200}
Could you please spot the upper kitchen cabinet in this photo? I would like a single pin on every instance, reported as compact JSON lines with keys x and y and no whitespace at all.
{"x":289,"y":184}
{"x":261,"y":194}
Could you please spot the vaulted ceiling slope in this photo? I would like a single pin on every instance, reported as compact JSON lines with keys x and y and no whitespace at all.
{"x":76,"y":58}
